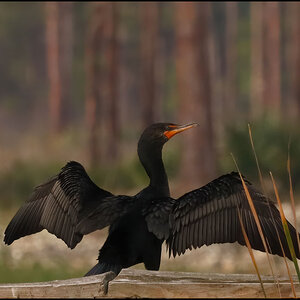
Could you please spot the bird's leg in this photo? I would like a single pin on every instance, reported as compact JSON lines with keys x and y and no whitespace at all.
{"x":109,"y":276}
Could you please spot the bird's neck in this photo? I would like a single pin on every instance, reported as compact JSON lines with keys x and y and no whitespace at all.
{"x":151,"y":159}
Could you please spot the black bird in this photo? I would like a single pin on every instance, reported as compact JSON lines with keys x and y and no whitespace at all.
{"x":71,"y":205}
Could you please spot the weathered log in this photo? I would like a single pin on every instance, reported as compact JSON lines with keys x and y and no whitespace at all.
{"x":151,"y":284}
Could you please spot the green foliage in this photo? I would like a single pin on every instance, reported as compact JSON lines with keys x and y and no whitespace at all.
{"x":124,"y":177}
{"x":128,"y":176}
{"x":37,"y":272}
{"x":271,"y":138}
{"x":18,"y":182}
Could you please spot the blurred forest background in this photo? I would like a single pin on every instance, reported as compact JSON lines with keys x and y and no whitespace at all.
{"x":81,"y":80}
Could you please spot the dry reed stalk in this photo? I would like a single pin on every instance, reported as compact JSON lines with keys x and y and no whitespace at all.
{"x":286,"y":229}
{"x":251,"y":253}
{"x":256,"y":219}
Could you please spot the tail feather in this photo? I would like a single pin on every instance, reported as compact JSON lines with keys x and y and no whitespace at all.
{"x":103,"y":267}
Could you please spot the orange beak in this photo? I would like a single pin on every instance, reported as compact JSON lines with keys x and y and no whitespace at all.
{"x":174,"y":129}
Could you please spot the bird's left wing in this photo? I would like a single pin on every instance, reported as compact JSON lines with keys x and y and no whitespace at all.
{"x":69,"y":205}
{"x":210,"y":215}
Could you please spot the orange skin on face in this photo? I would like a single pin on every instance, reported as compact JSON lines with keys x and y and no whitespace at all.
{"x":177,"y":129}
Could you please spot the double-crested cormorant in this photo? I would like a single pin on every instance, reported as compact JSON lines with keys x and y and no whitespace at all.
{"x":71,"y":205}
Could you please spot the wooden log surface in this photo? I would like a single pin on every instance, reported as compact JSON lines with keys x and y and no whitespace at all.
{"x":141,"y":283}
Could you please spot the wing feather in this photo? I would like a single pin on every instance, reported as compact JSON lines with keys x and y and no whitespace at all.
{"x":209,"y":229}
{"x":69,"y":205}
{"x":210,"y":215}
{"x":198,"y":234}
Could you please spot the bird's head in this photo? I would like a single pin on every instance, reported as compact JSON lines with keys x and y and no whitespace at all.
{"x":159,"y":133}
{"x":150,"y":153}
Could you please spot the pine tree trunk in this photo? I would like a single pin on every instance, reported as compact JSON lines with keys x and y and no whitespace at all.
{"x":296,"y":79}
{"x":111,"y":69}
{"x":52,"y":42}
{"x":272,"y":81}
{"x":148,"y":48}
{"x":93,"y":79}
{"x":59,"y":41}
{"x":292,"y":18}
{"x":231,"y":59}
{"x":198,"y":164}
{"x":217,"y":94}
{"x":66,"y":58}
{"x":256,"y":90}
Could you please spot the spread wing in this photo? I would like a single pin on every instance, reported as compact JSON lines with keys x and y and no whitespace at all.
{"x":210,"y":215}
{"x":66,"y":206}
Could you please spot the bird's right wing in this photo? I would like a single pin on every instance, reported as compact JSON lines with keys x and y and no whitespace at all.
{"x":157,"y":215}
{"x":210,"y":215}
{"x":63,"y":206}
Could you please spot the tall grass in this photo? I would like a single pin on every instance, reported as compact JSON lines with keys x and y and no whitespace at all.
{"x":283,"y":219}
{"x":251,"y":253}
{"x":286,"y":229}
{"x":254,"y":213}
{"x":292,"y":191}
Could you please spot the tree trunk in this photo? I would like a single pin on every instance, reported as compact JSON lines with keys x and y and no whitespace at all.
{"x":217,"y":94}
{"x":52,"y":42}
{"x":293,"y":58}
{"x":59,"y":60}
{"x":148,"y":46}
{"x":256,"y":90}
{"x":112,"y":71}
{"x":93,"y":96}
{"x":231,"y":59}
{"x":102,"y":68}
{"x":66,"y":58}
{"x":296,"y":79}
{"x":272,"y":82}
{"x":198,"y":164}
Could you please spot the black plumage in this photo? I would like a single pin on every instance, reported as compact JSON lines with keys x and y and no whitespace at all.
{"x":70,"y":205}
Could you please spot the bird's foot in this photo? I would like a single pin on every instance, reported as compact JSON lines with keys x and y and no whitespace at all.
{"x":109,"y":276}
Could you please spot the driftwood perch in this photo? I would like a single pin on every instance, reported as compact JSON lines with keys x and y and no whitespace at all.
{"x":140,"y":283}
